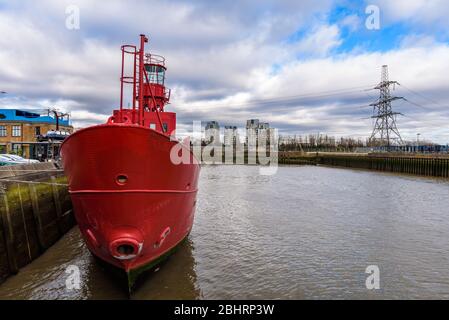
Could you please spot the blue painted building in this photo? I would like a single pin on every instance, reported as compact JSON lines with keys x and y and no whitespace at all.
{"x":29,"y":116}
{"x":21,"y":132}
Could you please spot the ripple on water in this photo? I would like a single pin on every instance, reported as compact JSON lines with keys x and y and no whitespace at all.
{"x":304,"y":233}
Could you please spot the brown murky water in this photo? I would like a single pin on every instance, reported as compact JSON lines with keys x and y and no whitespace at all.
{"x":304,"y":233}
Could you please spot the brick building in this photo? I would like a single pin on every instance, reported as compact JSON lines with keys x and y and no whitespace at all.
{"x":21,"y":133}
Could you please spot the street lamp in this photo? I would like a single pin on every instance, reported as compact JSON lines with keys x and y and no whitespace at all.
{"x":417,"y":141}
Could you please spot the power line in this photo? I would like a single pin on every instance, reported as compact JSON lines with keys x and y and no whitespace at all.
{"x":421,"y":95}
{"x":418,"y":105}
{"x":296,"y":98}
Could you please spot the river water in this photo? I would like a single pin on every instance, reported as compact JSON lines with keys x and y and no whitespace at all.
{"x":303,"y":233}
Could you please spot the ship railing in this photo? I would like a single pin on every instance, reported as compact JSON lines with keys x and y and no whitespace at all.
{"x":154,"y":59}
{"x":167,"y":94}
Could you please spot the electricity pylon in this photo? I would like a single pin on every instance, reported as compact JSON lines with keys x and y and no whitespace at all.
{"x":385,"y":131}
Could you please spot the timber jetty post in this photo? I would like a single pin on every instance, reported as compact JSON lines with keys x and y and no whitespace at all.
{"x":423,"y":165}
{"x":35,"y":211}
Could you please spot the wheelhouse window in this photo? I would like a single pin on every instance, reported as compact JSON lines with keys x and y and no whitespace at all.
{"x":16,"y":131}
{"x":156,"y":74}
{"x":37,"y":131}
{"x":3,"y":131}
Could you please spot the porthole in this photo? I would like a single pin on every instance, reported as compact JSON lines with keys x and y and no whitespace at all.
{"x":121,"y":179}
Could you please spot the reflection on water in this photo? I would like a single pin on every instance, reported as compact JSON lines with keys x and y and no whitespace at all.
{"x":306,"y":232}
{"x":46,"y":277}
{"x":176,"y":278}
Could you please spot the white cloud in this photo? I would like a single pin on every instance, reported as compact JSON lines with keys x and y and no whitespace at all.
{"x":221,"y":57}
{"x":207,"y":47}
{"x":422,"y":69}
{"x":352,"y":22}
{"x":432,"y":14}
{"x":418,"y":40}
{"x":319,"y":41}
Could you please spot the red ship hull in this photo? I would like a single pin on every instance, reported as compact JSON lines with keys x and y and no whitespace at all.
{"x":133,"y":205}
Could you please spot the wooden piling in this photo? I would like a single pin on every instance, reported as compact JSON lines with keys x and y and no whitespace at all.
{"x":430,"y":166}
{"x":35,"y":211}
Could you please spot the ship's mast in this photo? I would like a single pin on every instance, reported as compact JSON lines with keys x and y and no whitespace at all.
{"x":143,"y":40}
{"x":148,"y":81}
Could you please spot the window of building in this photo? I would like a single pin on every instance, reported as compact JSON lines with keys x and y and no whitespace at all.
{"x":16,"y":149}
{"x":26,"y":114}
{"x":3,"y":131}
{"x":37,"y":131}
{"x":16,"y":131}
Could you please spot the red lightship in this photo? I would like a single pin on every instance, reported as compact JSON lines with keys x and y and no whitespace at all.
{"x":133,"y":205}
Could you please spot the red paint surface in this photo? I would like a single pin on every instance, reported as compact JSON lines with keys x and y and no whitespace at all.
{"x":132,"y":204}
{"x":157,"y":195}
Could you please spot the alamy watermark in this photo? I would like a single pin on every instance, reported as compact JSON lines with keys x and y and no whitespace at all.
{"x":73,"y":18}
{"x":260,"y":147}
{"x":73,"y":280}
{"x":373,"y":280}
{"x":372,"y":22}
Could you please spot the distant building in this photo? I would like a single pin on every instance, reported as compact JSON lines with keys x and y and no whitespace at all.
{"x":252,"y":123}
{"x":230,"y":135}
{"x":258,"y":134}
{"x":21,"y":132}
{"x":252,"y":128}
{"x":212,"y":133}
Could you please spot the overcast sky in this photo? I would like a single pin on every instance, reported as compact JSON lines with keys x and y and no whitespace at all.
{"x":304,"y":66}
